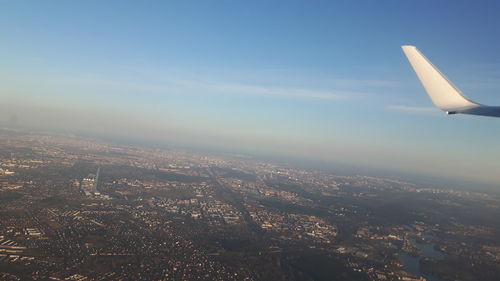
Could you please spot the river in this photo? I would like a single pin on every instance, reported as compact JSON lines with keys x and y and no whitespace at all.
{"x":412,"y":264}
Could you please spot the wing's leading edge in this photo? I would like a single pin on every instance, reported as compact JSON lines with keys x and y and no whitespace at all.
{"x":442,"y":92}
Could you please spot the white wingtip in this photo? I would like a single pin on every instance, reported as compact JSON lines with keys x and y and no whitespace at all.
{"x":442,"y":92}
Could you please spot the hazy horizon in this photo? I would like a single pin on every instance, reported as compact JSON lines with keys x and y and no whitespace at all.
{"x":336,"y":167}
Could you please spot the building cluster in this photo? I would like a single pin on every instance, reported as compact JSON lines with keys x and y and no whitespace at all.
{"x":213,"y":211}
{"x":294,"y":226}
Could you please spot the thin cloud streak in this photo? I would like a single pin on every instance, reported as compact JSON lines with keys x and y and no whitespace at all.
{"x":176,"y":86}
{"x":425,"y":110}
{"x":243,"y":89}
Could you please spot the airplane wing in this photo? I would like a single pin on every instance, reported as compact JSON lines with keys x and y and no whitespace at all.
{"x":443,"y":93}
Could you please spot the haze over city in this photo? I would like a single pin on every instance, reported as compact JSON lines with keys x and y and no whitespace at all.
{"x":319,"y":81}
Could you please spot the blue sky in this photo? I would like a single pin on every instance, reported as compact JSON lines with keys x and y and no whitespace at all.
{"x":316,"y":79}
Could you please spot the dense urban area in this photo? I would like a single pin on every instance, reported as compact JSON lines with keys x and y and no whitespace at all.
{"x":74,"y":208}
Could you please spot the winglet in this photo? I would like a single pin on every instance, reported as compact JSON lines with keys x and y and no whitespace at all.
{"x":442,"y":92}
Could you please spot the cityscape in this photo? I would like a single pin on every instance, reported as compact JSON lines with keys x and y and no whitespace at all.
{"x":75,"y":208}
